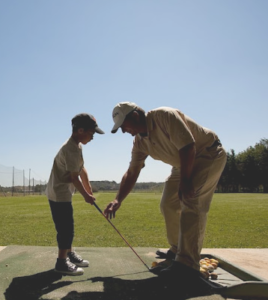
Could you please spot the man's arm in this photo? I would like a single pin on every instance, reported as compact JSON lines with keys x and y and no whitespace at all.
{"x":127,"y":183}
{"x":187,"y":157}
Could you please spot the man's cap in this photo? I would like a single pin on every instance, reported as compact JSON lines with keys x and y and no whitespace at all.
{"x":86,"y":121}
{"x":119,"y":113}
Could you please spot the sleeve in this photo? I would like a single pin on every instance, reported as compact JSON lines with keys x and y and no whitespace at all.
{"x":74,"y":160}
{"x":138,"y":154}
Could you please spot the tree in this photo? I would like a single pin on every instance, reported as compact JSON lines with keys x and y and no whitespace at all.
{"x":231,"y":176}
{"x":261,"y":154}
{"x":249,"y":170}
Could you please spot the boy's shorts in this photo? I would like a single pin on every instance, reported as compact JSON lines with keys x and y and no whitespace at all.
{"x":62,"y":214}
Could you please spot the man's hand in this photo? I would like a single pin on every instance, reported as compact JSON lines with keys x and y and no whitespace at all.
{"x":111,"y":208}
{"x":128,"y":181}
{"x":186,"y":190}
{"x":89,"y":198}
{"x":187,"y":157}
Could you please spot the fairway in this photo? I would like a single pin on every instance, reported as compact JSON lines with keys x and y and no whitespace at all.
{"x":235,"y":221}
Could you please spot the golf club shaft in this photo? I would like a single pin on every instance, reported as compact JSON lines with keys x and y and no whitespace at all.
{"x":121,"y":235}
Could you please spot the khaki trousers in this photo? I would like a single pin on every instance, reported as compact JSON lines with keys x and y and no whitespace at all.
{"x":186,"y":220}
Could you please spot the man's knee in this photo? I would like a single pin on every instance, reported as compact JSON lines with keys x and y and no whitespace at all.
{"x":171,"y":204}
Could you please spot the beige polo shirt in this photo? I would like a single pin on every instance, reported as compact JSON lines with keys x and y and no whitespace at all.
{"x":169,"y":130}
{"x":69,"y":159}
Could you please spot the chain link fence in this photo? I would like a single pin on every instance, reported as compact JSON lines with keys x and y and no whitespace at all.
{"x":15,"y":182}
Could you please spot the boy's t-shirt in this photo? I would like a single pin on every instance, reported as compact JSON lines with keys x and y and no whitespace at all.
{"x":69,"y":159}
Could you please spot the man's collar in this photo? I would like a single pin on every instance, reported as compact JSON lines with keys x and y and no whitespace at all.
{"x":142,"y":135}
{"x":149,"y":125}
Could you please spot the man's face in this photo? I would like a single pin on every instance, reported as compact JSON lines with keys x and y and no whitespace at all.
{"x":129,"y":127}
{"x":134,"y":124}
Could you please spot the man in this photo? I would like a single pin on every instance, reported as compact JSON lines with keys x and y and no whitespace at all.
{"x":197,"y":159}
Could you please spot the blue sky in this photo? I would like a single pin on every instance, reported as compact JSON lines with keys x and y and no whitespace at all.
{"x":60,"y":58}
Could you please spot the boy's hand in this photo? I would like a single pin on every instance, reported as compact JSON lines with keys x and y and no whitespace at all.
{"x":90,"y":199}
{"x":111,"y":208}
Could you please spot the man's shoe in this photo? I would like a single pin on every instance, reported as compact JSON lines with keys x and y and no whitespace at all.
{"x":161,"y":266}
{"x":169,"y":254}
{"x":65,"y":267}
{"x":180,"y":271}
{"x":77,"y":259}
{"x":190,"y":281}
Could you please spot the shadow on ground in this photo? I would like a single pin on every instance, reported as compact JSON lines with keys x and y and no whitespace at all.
{"x":34,"y":286}
{"x":37,"y":286}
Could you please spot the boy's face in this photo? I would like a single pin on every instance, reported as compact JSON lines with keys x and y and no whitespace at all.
{"x":85,"y":136}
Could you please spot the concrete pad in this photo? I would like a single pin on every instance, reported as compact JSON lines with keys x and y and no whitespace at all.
{"x":114,"y":273}
{"x":26,"y":272}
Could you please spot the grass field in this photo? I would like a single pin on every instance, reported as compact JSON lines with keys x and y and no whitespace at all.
{"x":235,"y":221}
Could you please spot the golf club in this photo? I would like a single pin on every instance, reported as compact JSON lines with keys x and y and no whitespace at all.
{"x":121,"y":236}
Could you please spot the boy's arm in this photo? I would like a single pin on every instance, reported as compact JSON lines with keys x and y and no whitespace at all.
{"x":86,"y":192}
{"x":85,"y":180}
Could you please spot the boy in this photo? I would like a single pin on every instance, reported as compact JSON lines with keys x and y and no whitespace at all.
{"x":68,"y":173}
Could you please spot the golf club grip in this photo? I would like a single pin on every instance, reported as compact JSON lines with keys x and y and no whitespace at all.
{"x":121,"y":235}
{"x":98,"y":208}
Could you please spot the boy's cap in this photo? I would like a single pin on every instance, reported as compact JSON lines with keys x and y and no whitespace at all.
{"x":86,"y":121}
{"x":119,"y":113}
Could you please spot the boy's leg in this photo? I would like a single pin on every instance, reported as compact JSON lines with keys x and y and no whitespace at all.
{"x":62,"y":253}
{"x":62,"y":214}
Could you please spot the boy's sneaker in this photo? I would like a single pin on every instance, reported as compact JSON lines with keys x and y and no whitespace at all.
{"x":65,"y":267}
{"x":77,"y":259}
